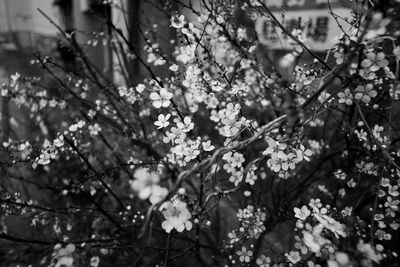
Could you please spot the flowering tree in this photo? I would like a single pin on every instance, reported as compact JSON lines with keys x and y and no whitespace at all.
{"x":213,"y":159}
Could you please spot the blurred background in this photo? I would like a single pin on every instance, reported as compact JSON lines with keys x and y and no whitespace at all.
{"x":24,"y":30}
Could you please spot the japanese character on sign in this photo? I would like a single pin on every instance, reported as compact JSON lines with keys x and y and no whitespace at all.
{"x":269,"y":31}
{"x":319,"y":32}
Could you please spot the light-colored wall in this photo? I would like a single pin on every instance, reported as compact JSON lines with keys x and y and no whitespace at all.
{"x":22,"y":15}
{"x":86,"y":22}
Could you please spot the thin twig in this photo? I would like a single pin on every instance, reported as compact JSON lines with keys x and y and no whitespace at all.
{"x":167,"y":250}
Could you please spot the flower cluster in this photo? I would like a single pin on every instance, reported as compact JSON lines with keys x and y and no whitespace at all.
{"x":284,"y":158}
{"x":252,"y":221}
{"x":234,"y":166}
{"x":227,"y":118}
{"x":130,"y":94}
{"x":146,"y":185}
{"x":372,"y":63}
{"x":319,"y":233}
{"x":63,"y":256}
{"x":162,"y":98}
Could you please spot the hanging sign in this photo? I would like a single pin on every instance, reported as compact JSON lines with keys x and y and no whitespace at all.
{"x":317,"y":25}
